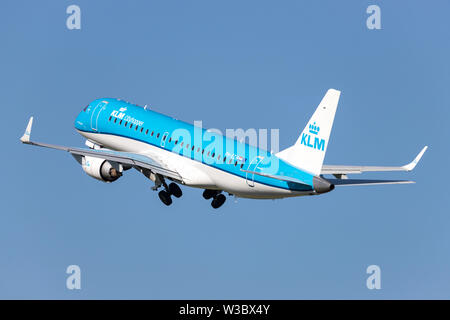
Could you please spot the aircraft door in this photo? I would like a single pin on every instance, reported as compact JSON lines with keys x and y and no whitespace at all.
{"x":164,"y":138}
{"x":95,"y":113}
{"x":250,"y":177}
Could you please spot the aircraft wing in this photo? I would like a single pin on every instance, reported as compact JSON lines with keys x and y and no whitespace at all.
{"x":127,"y":158}
{"x":336,"y":182}
{"x":341,"y":171}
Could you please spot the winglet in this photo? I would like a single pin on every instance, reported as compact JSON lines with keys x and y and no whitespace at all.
{"x":412,"y":164}
{"x":26,"y":136}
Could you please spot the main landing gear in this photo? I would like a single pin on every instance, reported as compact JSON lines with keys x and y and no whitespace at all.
{"x":218,"y":198}
{"x":170,"y":190}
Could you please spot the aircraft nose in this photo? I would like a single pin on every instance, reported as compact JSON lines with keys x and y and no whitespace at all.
{"x":81,"y":122}
{"x":321,"y":185}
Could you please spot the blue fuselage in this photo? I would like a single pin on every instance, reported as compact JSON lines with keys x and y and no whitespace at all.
{"x":118,"y":118}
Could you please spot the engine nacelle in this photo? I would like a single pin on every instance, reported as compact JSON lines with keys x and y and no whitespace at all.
{"x":101,"y":169}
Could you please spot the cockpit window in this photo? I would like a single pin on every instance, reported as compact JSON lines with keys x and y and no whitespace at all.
{"x":85,"y":108}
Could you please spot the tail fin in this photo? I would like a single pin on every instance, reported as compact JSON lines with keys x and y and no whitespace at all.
{"x":309,"y":150}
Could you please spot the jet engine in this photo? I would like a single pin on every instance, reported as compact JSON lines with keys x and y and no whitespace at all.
{"x":101,"y":169}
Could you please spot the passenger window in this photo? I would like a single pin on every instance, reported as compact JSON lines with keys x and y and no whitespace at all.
{"x":213,"y":154}
{"x":164,"y":138}
{"x":152,"y":133}
{"x":109,"y":118}
{"x":181,"y":144}
{"x":203,"y":151}
{"x":131,"y":125}
{"x":136,"y":128}
{"x":157,"y":136}
{"x":115,"y":120}
{"x":146,"y":131}
{"x":176,"y":141}
{"x":126,"y":123}
{"x":242,"y":165}
{"x":120,"y":122}
{"x":192,"y":148}
{"x":225,"y":159}
{"x":235,"y":163}
{"x":198,"y":149}
{"x":218,"y":157}
{"x":170,"y":139}
{"x":187,"y":146}
{"x":142,"y":129}
{"x":208,"y":153}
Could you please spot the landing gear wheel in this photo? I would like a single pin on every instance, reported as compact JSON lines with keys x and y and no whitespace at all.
{"x":218,"y":201}
{"x":165,"y":197}
{"x":208,"y":194}
{"x":175,"y":190}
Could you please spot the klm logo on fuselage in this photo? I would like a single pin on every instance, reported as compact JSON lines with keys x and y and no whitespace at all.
{"x":312,"y":140}
{"x":117,"y":114}
{"x":122,"y":116}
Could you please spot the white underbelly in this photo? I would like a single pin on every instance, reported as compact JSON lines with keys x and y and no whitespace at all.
{"x":194,"y":173}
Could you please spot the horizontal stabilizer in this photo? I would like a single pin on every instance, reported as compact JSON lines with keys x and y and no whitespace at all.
{"x":361,"y":182}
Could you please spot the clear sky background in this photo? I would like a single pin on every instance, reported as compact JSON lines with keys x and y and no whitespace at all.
{"x":231,"y":64}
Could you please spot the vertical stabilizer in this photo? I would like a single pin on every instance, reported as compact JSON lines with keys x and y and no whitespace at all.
{"x":309,"y":150}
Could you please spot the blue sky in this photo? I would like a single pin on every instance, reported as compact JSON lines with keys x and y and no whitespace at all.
{"x":231,"y":64}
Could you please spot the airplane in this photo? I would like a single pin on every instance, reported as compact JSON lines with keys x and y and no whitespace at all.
{"x":121,"y":135}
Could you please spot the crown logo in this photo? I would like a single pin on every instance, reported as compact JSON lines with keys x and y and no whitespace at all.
{"x":314,"y":129}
